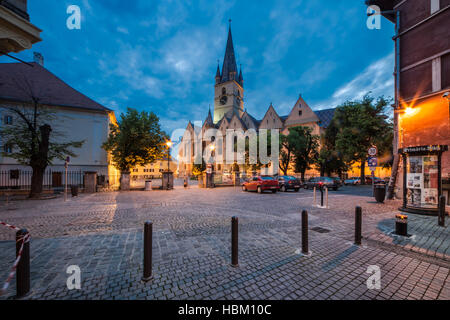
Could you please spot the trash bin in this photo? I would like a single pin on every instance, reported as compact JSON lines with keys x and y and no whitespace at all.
{"x":148,"y":185}
{"x":401,"y":225}
{"x":380,"y":192}
{"x":74,"y":190}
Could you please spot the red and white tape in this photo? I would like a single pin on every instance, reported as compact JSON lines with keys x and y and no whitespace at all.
{"x":24,"y":240}
{"x":9,"y":226}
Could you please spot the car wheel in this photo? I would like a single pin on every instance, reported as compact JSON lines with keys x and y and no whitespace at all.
{"x":335,"y":189}
{"x":259,"y":190}
{"x":297,"y":190}
{"x":274,"y":191}
{"x":244,"y":188}
{"x":283,"y":189}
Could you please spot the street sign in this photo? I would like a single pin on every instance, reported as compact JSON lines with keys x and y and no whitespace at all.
{"x":373,"y":163}
{"x":373,"y":151}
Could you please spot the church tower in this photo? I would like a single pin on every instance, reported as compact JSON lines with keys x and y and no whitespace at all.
{"x":229,"y":88}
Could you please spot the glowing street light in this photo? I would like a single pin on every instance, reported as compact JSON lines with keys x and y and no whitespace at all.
{"x":169,"y":145}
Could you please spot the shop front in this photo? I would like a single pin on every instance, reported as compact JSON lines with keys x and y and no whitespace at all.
{"x":422,"y":178}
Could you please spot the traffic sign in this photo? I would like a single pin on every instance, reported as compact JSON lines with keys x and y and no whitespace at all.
{"x":373,"y":151}
{"x":373,"y":163}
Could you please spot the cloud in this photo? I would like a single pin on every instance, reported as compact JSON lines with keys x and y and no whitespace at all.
{"x":376,"y":78}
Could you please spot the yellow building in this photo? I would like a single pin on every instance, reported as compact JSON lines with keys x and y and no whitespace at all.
{"x":153,"y":170}
{"x":17,"y":33}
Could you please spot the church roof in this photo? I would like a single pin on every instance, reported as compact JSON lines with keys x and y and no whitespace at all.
{"x":325,"y":116}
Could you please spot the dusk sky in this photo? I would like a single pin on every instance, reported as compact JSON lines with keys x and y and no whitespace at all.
{"x":162,"y":55}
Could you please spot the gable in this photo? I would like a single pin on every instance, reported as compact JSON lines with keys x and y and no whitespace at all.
{"x":249,"y":121}
{"x":236,"y":123}
{"x":271,"y":120}
{"x":300,"y":114}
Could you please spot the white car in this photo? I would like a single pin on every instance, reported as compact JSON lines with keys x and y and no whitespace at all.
{"x":352,"y":181}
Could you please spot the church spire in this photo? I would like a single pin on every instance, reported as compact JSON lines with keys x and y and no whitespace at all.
{"x":218,"y":75}
{"x":229,"y":70}
{"x":241,"y":78}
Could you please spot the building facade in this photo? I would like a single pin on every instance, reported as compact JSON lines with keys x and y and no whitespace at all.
{"x":422,"y":107}
{"x":230,"y":113}
{"x":17,"y":33}
{"x":72,"y":116}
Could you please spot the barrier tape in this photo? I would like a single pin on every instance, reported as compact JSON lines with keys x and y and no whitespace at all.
{"x":9,"y":226}
{"x":24,"y":240}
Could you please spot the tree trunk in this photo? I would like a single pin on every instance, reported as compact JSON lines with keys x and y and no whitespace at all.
{"x":391,"y":189}
{"x":37,"y":180}
{"x":363,"y":171}
{"x":39,"y":162}
{"x":303,"y":176}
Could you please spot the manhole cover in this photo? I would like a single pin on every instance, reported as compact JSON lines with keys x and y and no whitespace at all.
{"x":320,"y":230}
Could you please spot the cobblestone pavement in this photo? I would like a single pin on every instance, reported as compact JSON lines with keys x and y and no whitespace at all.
{"x":102,"y":234}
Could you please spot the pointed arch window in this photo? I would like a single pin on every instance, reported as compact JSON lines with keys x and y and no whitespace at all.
{"x":224,"y":91}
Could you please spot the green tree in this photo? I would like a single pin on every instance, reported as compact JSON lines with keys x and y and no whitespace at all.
{"x":330,"y":160}
{"x":305,"y":150}
{"x":362,"y":124}
{"x":287,"y":144}
{"x":136,"y":140}
{"x":32,"y":139}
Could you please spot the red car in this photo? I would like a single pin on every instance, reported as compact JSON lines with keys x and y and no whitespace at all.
{"x":261,"y":184}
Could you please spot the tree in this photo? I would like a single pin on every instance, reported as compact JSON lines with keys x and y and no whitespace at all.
{"x":136,"y":140}
{"x":287,"y":143}
{"x":362,"y":124}
{"x":32,"y":139}
{"x":305,"y":149}
{"x":330,"y":160}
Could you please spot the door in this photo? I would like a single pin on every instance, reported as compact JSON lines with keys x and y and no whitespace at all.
{"x":56,"y":179}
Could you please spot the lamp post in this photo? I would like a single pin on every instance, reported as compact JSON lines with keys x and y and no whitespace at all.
{"x":169,"y":145}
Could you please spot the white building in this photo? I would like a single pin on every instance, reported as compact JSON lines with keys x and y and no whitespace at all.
{"x":76,"y":117}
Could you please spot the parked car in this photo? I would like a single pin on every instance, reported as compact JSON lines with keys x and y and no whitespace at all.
{"x":338,"y":180}
{"x":289,"y":183}
{"x":377,"y":180}
{"x":261,"y":184}
{"x":352,"y":181}
{"x":322,"y":182}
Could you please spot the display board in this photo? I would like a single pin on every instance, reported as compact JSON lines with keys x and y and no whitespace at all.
{"x":423,"y":181}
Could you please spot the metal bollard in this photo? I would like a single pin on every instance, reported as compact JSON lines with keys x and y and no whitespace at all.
{"x":358,"y":226}
{"x":321,"y":197}
{"x":305,"y":245}
{"x":23,"y":268}
{"x":315,"y":199}
{"x":148,"y":239}
{"x":235,"y":242}
{"x":441,"y":216}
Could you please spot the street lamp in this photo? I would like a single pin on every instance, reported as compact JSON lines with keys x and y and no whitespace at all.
{"x":169,"y":145}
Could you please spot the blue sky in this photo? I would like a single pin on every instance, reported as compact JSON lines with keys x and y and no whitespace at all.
{"x":162,"y":55}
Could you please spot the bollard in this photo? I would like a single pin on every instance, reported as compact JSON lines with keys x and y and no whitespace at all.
{"x":326,"y":191}
{"x":401,"y":225}
{"x":305,"y":246}
{"x":23,"y":268}
{"x":315,"y":201}
{"x":148,"y":235}
{"x":358,"y":225}
{"x":441,"y":216}
{"x":321,"y":197}
{"x":234,"y":242}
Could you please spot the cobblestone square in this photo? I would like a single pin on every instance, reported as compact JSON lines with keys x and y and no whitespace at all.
{"x":103,"y":234}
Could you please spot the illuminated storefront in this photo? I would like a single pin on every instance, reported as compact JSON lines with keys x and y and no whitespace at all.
{"x":422,"y":178}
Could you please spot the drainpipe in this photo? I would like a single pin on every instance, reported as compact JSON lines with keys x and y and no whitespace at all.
{"x":393,"y":180}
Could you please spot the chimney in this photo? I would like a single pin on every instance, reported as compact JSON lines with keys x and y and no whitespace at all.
{"x":38,"y":58}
